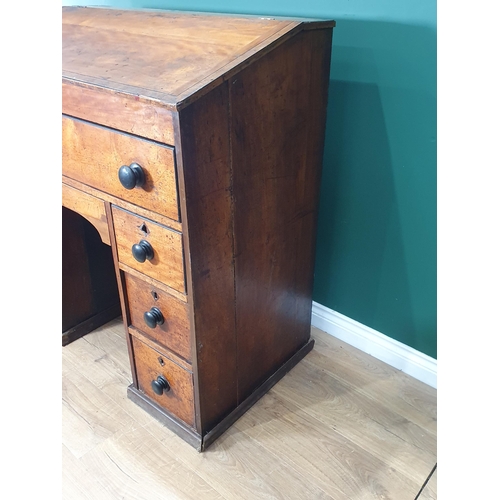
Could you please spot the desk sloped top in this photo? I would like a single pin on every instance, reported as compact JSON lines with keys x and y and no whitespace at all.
{"x":166,"y":56}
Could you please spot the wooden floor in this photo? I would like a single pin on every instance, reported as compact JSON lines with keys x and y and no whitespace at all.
{"x":341,"y":425}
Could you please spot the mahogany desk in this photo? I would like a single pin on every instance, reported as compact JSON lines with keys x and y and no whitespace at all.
{"x":192,"y":151}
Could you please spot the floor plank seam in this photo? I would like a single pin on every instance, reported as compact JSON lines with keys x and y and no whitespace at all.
{"x":426,"y":481}
{"x":120,"y":469}
{"x":412,"y":443}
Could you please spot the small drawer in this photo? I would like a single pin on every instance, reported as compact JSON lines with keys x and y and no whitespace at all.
{"x":93,"y":155}
{"x":159,"y":315}
{"x":160,"y":247}
{"x":166,"y":383}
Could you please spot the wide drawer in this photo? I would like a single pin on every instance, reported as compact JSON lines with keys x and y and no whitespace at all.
{"x":93,"y":155}
{"x":166,"y":263}
{"x":159,"y":316}
{"x":175,"y":393}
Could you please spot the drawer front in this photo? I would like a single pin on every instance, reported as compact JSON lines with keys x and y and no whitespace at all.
{"x":166,"y":264}
{"x":150,"y":365}
{"x":174,"y":332}
{"x":93,"y":155}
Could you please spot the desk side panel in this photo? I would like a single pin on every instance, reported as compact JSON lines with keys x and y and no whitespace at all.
{"x":278,"y":115}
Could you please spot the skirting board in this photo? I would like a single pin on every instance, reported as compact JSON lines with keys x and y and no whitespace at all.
{"x":412,"y":362}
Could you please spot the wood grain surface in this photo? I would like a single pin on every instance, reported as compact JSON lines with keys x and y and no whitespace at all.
{"x":89,"y":287}
{"x":161,"y":219}
{"x":167,"y":265}
{"x":209,"y":225}
{"x":93,"y":155}
{"x":278,"y":113}
{"x":87,"y":206}
{"x":158,"y":54}
{"x":149,"y":365}
{"x":131,"y":114}
{"x":174,"y":332}
{"x":287,"y":446}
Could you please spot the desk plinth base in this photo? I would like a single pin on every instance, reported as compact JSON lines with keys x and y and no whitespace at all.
{"x":189,"y":435}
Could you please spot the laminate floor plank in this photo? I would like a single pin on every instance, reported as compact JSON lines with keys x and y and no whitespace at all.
{"x":239,"y":467}
{"x":339,"y":466}
{"x":100,"y":355}
{"x":97,"y":365}
{"x":333,"y":403}
{"x":396,"y":390}
{"x":102,"y":358}
{"x":381,"y":409}
{"x":341,"y":425}
{"x":429,"y":492}
{"x":78,"y":483}
{"x":89,"y":415}
{"x":137,"y":466}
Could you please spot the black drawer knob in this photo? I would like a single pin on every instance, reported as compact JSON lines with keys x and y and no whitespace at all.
{"x":154,"y":317}
{"x":160,"y":385}
{"x":131,"y":176}
{"x":143,"y":251}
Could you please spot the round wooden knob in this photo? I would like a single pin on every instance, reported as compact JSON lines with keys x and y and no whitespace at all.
{"x":154,"y":317}
{"x":143,"y":251}
{"x":160,"y":385}
{"x":131,"y":176}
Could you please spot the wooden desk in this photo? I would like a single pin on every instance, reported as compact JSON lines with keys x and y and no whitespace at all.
{"x":192,"y":151}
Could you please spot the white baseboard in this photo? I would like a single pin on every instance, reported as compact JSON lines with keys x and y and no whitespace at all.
{"x":378,"y":345}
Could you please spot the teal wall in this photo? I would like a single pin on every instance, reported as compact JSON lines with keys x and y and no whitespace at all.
{"x":376,"y":247}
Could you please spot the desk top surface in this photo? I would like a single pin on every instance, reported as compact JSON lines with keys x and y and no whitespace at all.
{"x":166,"y":56}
